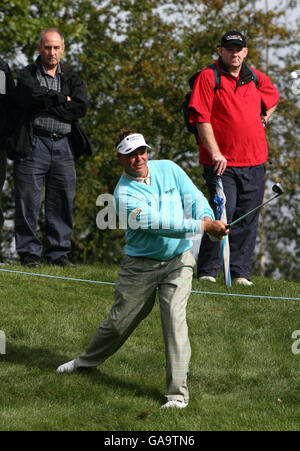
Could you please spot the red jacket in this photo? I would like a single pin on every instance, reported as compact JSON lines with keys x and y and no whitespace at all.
{"x":234,"y":113}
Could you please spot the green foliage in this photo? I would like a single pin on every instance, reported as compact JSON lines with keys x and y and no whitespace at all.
{"x":21,"y":22}
{"x":136,"y":58}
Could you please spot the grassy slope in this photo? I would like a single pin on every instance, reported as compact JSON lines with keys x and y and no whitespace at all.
{"x":243,"y":374}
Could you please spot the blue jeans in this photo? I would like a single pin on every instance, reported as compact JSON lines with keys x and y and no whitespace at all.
{"x":51,"y":162}
{"x":244,"y":190}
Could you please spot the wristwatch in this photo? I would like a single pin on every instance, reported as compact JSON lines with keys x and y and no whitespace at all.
{"x":264,"y":121}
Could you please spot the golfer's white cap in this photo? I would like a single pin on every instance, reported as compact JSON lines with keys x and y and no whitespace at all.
{"x":131,"y":142}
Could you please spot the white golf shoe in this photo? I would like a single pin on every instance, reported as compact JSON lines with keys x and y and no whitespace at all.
{"x":243,"y":281}
{"x":174,"y":404}
{"x":67,"y":367}
{"x":208,"y":278}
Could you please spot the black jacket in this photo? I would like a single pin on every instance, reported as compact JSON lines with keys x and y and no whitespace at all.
{"x":7,"y":102}
{"x":31,"y":97}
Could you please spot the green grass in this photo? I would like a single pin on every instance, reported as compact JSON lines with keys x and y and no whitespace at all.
{"x":243,"y":374}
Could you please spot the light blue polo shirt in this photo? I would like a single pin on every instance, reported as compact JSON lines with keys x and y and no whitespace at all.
{"x":161,"y":217}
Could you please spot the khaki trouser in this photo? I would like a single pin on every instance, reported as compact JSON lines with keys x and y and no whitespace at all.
{"x":139,"y":280}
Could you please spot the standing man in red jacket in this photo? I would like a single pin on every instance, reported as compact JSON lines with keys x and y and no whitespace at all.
{"x":230,"y":123}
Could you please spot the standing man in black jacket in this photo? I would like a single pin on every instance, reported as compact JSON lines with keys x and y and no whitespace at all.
{"x":53,"y":98}
{"x":7,"y":98}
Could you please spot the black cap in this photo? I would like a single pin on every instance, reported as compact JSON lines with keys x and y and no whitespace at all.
{"x":233,"y":37}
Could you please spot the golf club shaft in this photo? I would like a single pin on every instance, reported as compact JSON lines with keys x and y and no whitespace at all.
{"x":251,"y":211}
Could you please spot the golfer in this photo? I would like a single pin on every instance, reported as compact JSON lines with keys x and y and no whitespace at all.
{"x":162,"y":208}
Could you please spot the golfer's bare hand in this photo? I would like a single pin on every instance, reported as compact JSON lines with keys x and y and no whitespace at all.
{"x":219,"y":162}
{"x":216,"y":229}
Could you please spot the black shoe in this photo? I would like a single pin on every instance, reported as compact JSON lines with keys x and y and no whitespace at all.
{"x":32,"y":261}
{"x":62,"y":261}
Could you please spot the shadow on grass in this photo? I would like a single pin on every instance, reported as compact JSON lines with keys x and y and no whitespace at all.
{"x":42,"y":358}
{"x":139,"y":389}
{"x":31,"y":356}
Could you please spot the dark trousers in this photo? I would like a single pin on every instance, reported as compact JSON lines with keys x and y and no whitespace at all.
{"x":244,"y":190}
{"x":2,"y":180}
{"x":51,"y":162}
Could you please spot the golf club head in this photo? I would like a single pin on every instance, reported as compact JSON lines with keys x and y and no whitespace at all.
{"x":277,"y":188}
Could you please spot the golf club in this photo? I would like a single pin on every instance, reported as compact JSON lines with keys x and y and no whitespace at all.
{"x":277,"y":188}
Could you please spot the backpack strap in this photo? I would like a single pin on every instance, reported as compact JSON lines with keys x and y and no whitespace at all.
{"x":263,"y":111}
{"x":214,"y":67}
{"x":255,"y":79}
